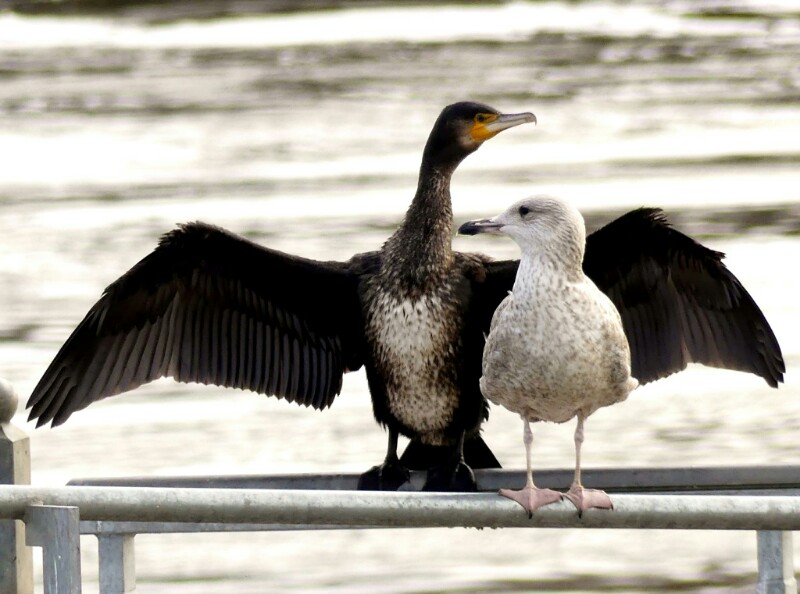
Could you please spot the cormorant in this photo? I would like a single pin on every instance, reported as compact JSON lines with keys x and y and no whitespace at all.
{"x":208,"y":306}
{"x":556,"y":347}
{"x":212,"y":307}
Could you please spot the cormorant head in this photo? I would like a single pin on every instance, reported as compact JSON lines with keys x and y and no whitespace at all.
{"x":462,"y":127}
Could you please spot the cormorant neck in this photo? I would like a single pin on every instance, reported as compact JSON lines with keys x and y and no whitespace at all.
{"x":419,"y":252}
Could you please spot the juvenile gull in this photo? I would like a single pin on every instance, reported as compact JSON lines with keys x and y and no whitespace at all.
{"x":556,"y":347}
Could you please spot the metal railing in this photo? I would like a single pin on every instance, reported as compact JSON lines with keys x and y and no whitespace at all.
{"x":55,"y":517}
{"x":764,"y":499}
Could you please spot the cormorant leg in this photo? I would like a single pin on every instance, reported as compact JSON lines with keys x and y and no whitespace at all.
{"x":390,"y":475}
{"x":584,"y":498}
{"x":454,"y":475}
{"x":530,"y":496}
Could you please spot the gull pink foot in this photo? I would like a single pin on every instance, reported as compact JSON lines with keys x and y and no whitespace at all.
{"x":585,"y":499}
{"x":532,"y":498}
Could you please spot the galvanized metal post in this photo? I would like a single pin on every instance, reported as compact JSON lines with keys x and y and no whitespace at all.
{"x":775,"y":563}
{"x":57,"y":530}
{"x":117,"y":563}
{"x":16,"y":561}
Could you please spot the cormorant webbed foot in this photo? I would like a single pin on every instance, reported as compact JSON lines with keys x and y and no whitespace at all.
{"x":389,"y":476}
{"x":454,"y":476}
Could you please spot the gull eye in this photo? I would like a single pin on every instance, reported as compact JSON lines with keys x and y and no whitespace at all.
{"x":480,"y":118}
{"x":523,"y":210}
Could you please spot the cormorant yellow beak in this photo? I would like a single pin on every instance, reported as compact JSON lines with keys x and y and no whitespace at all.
{"x":487,"y":125}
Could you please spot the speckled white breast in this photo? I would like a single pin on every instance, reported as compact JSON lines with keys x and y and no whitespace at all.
{"x":414,"y":342}
{"x":556,"y":349}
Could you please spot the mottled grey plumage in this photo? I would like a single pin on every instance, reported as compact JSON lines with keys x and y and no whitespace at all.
{"x":556,"y":348}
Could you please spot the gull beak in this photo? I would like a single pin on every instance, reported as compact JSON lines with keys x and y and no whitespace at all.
{"x":481,"y":226}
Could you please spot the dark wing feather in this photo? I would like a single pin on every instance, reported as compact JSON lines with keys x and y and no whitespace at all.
{"x":678,"y":302}
{"x":492,"y":286}
{"x":211,"y":307}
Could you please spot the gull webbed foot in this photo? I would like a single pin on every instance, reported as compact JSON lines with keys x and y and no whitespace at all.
{"x":532,"y":498}
{"x":585,"y":499}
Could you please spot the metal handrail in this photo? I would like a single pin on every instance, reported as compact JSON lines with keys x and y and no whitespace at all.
{"x":359,"y":508}
{"x":55,"y":516}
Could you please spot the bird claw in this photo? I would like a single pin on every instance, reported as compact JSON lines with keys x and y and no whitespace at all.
{"x":451,"y":477}
{"x":389,"y":476}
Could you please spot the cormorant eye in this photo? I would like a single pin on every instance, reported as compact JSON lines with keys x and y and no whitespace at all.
{"x":480,"y":118}
{"x":523,"y":210}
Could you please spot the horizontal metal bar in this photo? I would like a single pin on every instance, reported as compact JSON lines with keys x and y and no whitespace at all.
{"x":358,"y":508}
{"x":774,"y":479}
{"x":95,"y":527}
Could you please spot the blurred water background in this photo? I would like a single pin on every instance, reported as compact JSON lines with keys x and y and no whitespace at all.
{"x":301,"y":126}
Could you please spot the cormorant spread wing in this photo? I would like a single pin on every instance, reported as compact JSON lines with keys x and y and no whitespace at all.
{"x":211,"y":307}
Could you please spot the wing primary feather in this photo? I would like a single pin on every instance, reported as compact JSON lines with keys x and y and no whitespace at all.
{"x":244,"y":352}
{"x":105,"y":380}
{"x":123,"y":362}
{"x":42,"y":387}
{"x":49,"y":402}
{"x":303,"y":388}
{"x":633,"y":331}
{"x":213,"y":344}
{"x":296,"y":363}
{"x":329,"y":376}
{"x":283,"y":388}
{"x":275,"y":367}
{"x":250,"y":381}
{"x":172,"y":342}
{"x":324,"y":375}
{"x":204,"y":342}
{"x":258,"y":355}
{"x":160,"y":333}
{"x":225,"y":348}
{"x":196,"y":344}
{"x":89,"y":387}
{"x":186,"y":323}
{"x":269,"y":347}
{"x":314,"y":373}
{"x":234,"y":350}
{"x":62,"y":410}
{"x":339,"y":366}
{"x":142,"y":355}
{"x":319,"y":395}
{"x":133,"y":358}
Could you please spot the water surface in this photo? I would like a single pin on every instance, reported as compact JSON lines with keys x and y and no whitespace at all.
{"x":303,"y":131}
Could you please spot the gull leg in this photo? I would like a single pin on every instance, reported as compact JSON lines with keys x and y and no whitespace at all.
{"x":530,"y":497}
{"x":584,"y":498}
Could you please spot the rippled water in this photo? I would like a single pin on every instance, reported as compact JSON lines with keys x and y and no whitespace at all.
{"x":304,"y":131}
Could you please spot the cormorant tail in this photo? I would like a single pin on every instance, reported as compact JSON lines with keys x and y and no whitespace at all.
{"x":418,"y":456}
